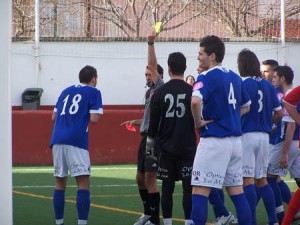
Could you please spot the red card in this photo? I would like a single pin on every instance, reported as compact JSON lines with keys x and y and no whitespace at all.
{"x":130,"y":128}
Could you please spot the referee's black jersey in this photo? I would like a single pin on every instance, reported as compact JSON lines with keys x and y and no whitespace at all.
{"x":171,"y":119}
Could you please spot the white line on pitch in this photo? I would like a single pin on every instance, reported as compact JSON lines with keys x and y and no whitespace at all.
{"x":93,"y":168}
{"x":74,"y":186}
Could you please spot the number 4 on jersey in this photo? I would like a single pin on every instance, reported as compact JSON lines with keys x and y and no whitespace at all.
{"x":231,"y":97}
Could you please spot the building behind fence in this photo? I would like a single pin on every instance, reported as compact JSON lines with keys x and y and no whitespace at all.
{"x":182,"y":20}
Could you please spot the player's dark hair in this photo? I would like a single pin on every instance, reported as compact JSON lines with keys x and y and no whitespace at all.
{"x":248,"y":63}
{"x":270,"y":62}
{"x":86,"y":74}
{"x":286,"y":72}
{"x":160,"y":70}
{"x":213,"y":44}
{"x":177,"y":63}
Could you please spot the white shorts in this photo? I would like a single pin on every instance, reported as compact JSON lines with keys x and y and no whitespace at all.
{"x":67,"y":158}
{"x":255,"y":154}
{"x":293,"y":160}
{"x":271,"y":147}
{"x":218,"y":162}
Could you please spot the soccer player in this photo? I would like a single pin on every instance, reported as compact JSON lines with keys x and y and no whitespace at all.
{"x":76,"y":107}
{"x":267,"y":69}
{"x":293,"y":209}
{"x":172,"y":126}
{"x":256,"y":125}
{"x":146,"y":172}
{"x":290,"y":102}
{"x":219,"y":97}
{"x":284,"y":155}
{"x":267,"y":72}
{"x":216,"y":197}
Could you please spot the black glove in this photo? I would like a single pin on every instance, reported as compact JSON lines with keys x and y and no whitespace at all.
{"x":150,"y":159}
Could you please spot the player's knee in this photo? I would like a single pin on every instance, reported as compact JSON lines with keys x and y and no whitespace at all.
{"x":247,"y":181}
{"x":234,"y":190}
{"x":140,"y":181}
{"x":261,"y":182}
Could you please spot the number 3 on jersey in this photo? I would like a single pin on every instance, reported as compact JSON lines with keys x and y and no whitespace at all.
{"x":178,"y":109}
{"x":74,"y":107}
{"x":231,"y":97}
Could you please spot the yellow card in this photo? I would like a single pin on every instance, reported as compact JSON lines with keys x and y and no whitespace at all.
{"x":157,"y":27}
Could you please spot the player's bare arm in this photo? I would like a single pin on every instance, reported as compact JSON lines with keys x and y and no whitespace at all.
{"x":287,"y":143}
{"x":94,"y":118}
{"x":53,"y":116}
{"x":292,"y":110}
{"x":197,"y":111}
{"x":152,"y":61}
{"x":244,"y":110}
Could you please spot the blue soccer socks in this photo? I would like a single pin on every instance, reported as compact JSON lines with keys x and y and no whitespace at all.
{"x":258,"y":194}
{"x":250,"y":193}
{"x":285,"y":191}
{"x":221,"y":194}
{"x":59,"y":205}
{"x":217,"y":203}
{"x":278,"y":200}
{"x":243,"y":211}
{"x":199,"y":209}
{"x":83,"y":205}
{"x":269,"y":202}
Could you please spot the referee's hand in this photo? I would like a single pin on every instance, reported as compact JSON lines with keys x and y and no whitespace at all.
{"x":129,"y":122}
{"x":152,"y":36}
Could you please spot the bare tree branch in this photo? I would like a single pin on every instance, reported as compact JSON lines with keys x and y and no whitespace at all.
{"x":129,"y":18}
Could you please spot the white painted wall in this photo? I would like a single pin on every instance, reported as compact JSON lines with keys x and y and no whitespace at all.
{"x":120,"y":66}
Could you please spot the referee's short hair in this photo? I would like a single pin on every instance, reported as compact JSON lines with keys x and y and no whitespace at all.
{"x":160,"y":70}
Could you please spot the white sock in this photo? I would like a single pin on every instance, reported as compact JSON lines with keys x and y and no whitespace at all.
{"x":82,"y":222}
{"x":167,"y":221}
{"x":187,"y":222}
{"x":58,"y":222}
